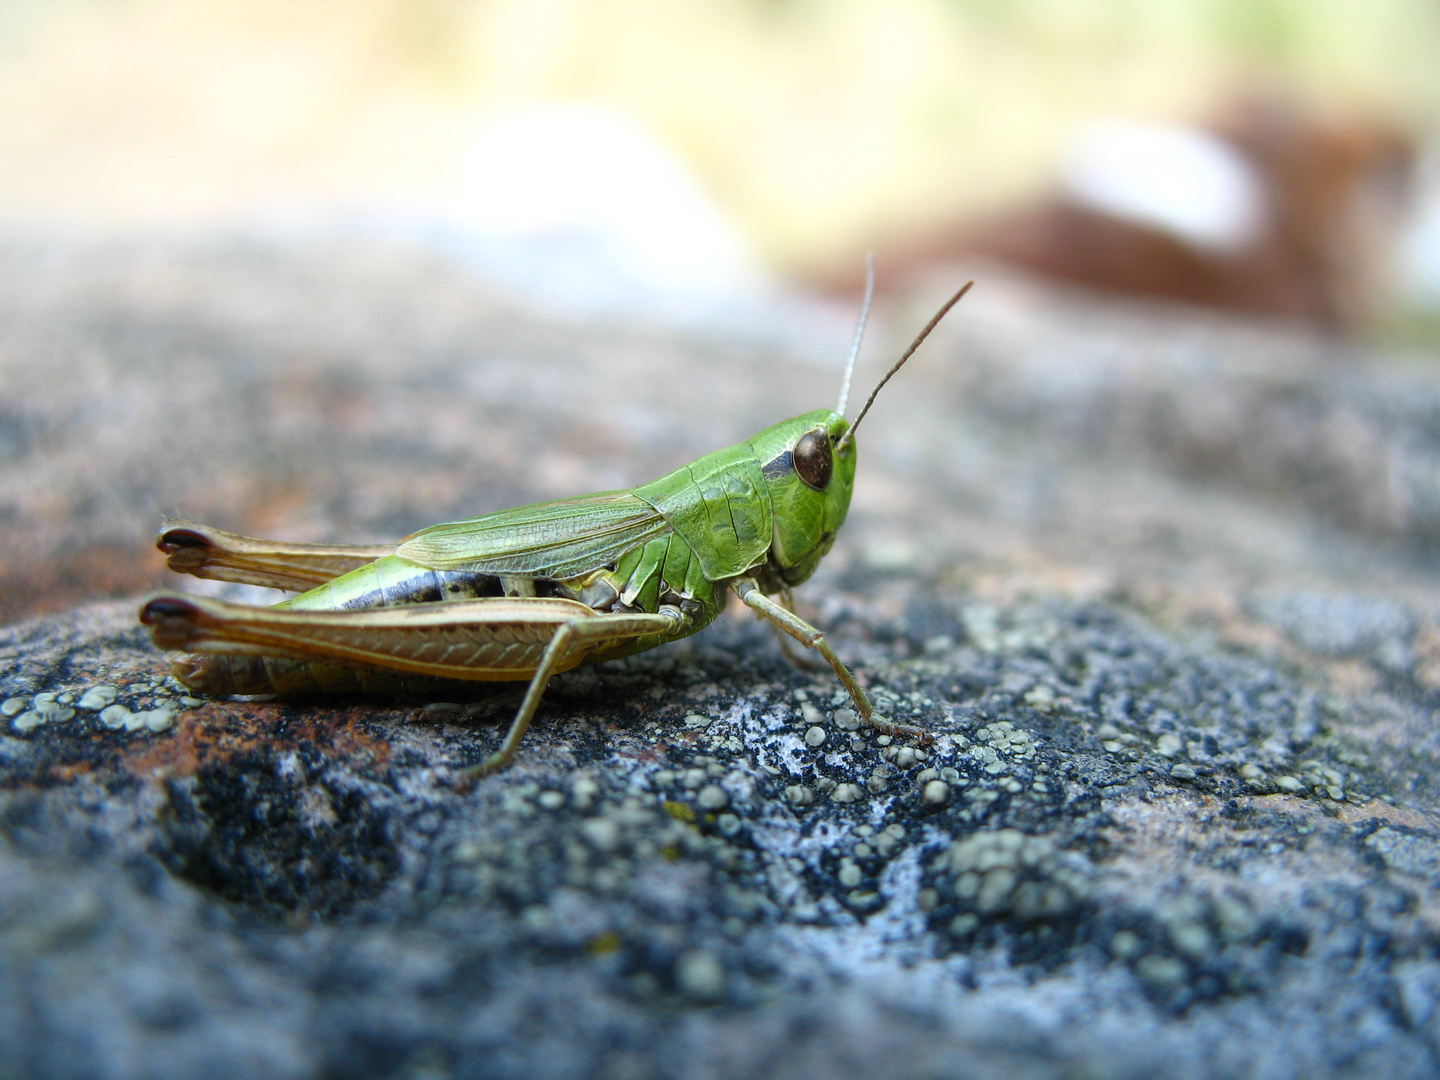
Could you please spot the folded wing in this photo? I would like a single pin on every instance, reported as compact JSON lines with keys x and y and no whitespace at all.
{"x":557,"y":539}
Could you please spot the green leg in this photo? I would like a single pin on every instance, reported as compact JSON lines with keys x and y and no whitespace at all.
{"x":812,"y":638}
{"x":800,"y":660}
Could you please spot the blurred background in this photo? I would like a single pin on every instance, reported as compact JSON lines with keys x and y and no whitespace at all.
{"x":341,"y":269}
{"x":1271,"y":156}
{"x":337,"y":270}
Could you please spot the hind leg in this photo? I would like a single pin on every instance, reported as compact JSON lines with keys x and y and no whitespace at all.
{"x":205,"y":552}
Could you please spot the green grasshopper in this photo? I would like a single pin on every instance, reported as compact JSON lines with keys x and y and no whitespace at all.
{"x":525,"y":594}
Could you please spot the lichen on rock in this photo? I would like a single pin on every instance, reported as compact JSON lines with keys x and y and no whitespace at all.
{"x":1159,"y":803}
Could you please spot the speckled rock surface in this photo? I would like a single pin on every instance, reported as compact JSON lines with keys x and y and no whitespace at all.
{"x":1181,"y":816}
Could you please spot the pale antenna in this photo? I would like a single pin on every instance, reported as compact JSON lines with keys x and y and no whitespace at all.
{"x":859,"y":332}
{"x":849,"y":436}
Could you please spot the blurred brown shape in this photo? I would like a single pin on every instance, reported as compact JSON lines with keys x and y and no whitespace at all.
{"x":1333,"y":191}
{"x":37,"y":582}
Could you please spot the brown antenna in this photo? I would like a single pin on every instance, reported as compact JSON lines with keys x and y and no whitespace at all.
{"x":850,"y":435}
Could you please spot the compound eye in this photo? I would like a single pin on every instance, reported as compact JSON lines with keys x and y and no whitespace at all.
{"x":813,"y":460}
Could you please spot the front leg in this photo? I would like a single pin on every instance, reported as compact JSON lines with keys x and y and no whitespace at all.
{"x":782,"y":638}
{"x":812,"y":638}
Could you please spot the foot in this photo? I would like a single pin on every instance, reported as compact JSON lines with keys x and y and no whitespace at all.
{"x":889,"y":727}
{"x":489,"y":767}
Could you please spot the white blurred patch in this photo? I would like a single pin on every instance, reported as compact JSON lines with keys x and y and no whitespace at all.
{"x":581,"y":208}
{"x":577,"y":211}
{"x":594,"y":175}
{"x":1180,"y":180}
{"x":1420,"y":252}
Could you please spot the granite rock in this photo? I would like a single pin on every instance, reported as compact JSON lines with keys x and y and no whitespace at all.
{"x":1179,"y":815}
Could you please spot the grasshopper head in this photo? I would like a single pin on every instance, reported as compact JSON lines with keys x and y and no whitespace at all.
{"x":809,"y":481}
{"x":809,"y":467}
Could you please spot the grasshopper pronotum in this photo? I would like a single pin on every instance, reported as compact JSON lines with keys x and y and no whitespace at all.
{"x":524,"y":594}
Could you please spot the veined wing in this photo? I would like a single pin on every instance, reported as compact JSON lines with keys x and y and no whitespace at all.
{"x":551,"y":539}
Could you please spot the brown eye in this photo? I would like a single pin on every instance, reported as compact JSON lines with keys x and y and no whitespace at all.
{"x":813,"y":462}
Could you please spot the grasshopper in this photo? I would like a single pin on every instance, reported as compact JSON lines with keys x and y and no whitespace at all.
{"x":525,"y":594}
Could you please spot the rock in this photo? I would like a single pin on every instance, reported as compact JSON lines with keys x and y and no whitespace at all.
{"x":936,"y":792}
{"x":700,"y":975}
{"x":116,"y":717}
{"x":1209,"y":813}
{"x":1339,"y":624}
{"x":97,"y":698}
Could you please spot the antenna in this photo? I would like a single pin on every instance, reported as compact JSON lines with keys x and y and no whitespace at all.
{"x":849,"y":436}
{"x":859,"y":332}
